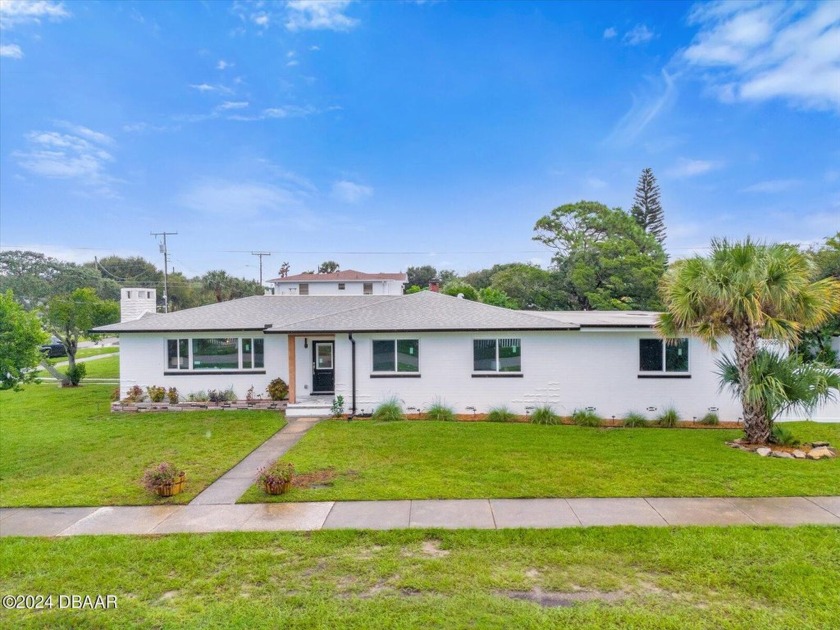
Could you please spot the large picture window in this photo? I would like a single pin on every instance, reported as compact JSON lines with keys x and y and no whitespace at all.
{"x":656,"y":355}
{"x":497,"y":355}
{"x":222,"y":353}
{"x":396,"y":355}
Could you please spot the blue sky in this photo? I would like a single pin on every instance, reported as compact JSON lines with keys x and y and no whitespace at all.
{"x":390,"y":134}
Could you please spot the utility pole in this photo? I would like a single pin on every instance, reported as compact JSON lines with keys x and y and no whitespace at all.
{"x":165,"y":267}
{"x":261,"y":254}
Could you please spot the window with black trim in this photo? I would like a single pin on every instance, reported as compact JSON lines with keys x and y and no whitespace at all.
{"x":367,"y":288}
{"x":396,"y":355}
{"x":497,"y":355}
{"x":215,"y":353}
{"x":656,"y":355}
{"x":303,"y":288}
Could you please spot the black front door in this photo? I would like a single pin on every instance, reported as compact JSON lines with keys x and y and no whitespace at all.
{"x":323,"y":368}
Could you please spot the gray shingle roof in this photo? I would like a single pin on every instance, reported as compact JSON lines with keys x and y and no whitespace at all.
{"x":424,"y":311}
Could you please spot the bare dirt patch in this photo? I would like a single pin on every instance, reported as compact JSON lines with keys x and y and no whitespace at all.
{"x":556,"y":599}
{"x":432,"y":549}
{"x":322,"y":478}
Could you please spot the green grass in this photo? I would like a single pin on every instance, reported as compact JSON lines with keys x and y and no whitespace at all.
{"x":83,"y":353}
{"x":425,"y":460}
{"x":62,"y":447}
{"x":736,"y":577}
{"x":101,"y":368}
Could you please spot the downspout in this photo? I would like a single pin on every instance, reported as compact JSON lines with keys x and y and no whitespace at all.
{"x":353,"y":379}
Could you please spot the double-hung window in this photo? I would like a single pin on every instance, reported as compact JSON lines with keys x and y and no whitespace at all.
{"x":656,"y":355}
{"x":215,"y":353}
{"x":396,"y":356}
{"x":497,"y":355}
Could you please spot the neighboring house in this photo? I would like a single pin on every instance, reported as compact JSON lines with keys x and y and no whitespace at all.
{"x":340,"y":283}
{"x":424,"y":348}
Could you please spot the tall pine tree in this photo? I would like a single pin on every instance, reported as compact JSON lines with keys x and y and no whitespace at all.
{"x":646,"y":207}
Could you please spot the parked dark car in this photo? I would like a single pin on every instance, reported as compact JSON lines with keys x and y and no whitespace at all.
{"x":54,"y":349}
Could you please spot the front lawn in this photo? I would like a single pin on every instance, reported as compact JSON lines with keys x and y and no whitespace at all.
{"x":449,"y":460}
{"x":62,"y":447}
{"x":83,"y":353}
{"x":622,"y":577}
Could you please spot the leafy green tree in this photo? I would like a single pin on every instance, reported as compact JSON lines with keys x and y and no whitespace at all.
{"x":413,"y":289}
{"x":816,"y":345}
{"x":532,"y":288}
{"x":72,"y":315}
{"x":456,"y":287}
{"x":421,"y":276}
{"x":747,"y":291}
{"x":133,"y":271}
{"x":647,"y":207}
{"x":20,"y":338}
{"x":495,"y":297}
{"x":219,"y":283}
{"x":482,"y":278}
{"x":607,"y":261}
{"x":328,"y":266}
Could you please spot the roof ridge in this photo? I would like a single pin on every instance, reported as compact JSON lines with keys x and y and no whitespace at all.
{"x":347,"y":310}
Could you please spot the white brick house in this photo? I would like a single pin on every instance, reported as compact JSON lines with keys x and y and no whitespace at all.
{"x":425,"y":348}
{"x":347,"y":282}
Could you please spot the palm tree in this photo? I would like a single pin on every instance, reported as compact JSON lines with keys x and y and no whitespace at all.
{"x":748,"y":291}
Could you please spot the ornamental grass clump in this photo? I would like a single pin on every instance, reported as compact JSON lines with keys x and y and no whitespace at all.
{"x":500,"y":414}
{"x":440,"y":412}
{"x":389,"y":411}
{"x":586,"y":418}
{"x":668,"y":418}
{"x":634,"y":420}
{"x":710,"y":419}
{"x":544,"y":415}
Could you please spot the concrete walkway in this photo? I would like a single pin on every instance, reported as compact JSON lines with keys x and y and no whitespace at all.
{"x":449,"y":514}
{"x":227,"y":489}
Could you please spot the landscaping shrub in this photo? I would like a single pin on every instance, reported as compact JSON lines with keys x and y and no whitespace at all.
{"x":668,"y":418}
{"x":440,"y":412}
{"x":156,"y":394}
{"x":115,"y":395}
{"x":198,"y":397}
{"x":134,"y":394}
{"x":633,"y":420}
{"x":276,"y":473}
{"x":389,"y":411}
{"x":277,"y":389}
{"x":337,"y":407}
{"x":782,"y":436}
{"x":710,"y":419}
{"x":172,"y":395}
{"x":76,"y":373}
{"x":500,"y":414}
{"x":222,"y":395}
{"x":544,"y":415}
{"x":586,"y":418}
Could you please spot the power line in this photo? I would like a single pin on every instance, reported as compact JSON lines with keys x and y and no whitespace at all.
{"x":165,"y":267}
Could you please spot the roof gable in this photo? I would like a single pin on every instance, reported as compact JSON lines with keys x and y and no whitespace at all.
{"x":348,"y":275}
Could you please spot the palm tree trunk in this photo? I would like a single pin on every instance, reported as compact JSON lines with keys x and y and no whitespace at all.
{"x":756,"y":422}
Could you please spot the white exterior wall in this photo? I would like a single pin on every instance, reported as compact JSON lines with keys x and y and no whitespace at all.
{"x":567,"y":370}
{"x":136,"y":302}
{"x":143,"y":363}
{"x":351,"y":287}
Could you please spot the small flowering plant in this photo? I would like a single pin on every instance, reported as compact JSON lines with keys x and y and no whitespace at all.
{"x":276,"y":478}
{"x":160,"y":476}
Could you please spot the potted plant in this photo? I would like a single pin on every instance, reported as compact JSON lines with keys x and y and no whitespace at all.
{"x":165,"y":479}
{"x":277,"y":478}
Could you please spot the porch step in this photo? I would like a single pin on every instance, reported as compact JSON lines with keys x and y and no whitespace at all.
{"x":310,"y":408}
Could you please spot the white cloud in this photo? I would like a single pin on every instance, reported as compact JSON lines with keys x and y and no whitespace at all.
{"x":79,"y":155}
{"x":772,"y":186}
{"x":261,"y":19}
{"x":246,"y":199}
{"x":610,"y":32}
{"x":350,"y":192}
{"x":12,"y":51}
{"x":595,"y":182}
{"x":144,"y":127}
{"x":206,"y":88}
{"x":228,"y":105}
{"x":224,"y":65}
{"x":318,"y":15}
{"x":14,"y":12}
{"x":639,"y":34}
{"x":314,"y":48}
{"x":691,"y":168}
{"x":759,"y":51}
{"x":656,"y":97}
{"x":292,"y":63}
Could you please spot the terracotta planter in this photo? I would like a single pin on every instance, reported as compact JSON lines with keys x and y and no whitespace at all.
{"x":171,"y":489}
{"x":280,"y":487}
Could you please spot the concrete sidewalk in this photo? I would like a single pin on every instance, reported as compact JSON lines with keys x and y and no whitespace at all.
{"x":448,"y":514}
{"x":227,"y":489}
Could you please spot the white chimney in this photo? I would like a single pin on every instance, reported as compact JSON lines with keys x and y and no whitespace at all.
{"x":135,"y":303}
